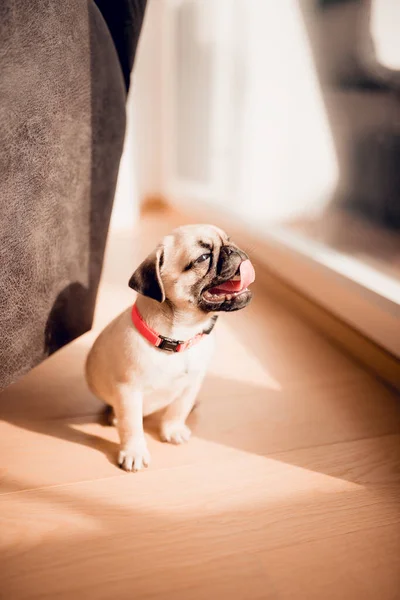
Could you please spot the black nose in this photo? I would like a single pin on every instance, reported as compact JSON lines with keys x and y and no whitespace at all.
{"x":229,"y":250}
{"x":229,"y":256}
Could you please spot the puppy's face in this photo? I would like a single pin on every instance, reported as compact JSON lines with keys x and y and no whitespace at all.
{"x":198,"y":267}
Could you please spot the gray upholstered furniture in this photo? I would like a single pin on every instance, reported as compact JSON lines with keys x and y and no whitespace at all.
{"x":64,"y":76}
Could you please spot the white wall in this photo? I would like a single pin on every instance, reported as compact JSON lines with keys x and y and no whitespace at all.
{"x":288,"y":162}
{"x":269,"y":143}
{"x":385,"y":23}
{"x":140,"y":168}
{"x":147,"y":98}
{"x":126,"y":205}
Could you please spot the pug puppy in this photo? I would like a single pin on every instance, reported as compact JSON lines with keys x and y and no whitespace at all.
{"x":154,"y":356}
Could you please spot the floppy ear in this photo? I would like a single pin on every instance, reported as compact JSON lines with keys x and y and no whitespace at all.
{"x":146,"y":280}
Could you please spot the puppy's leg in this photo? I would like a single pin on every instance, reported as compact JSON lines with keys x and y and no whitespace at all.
{"x":173,"y":427}
{"x":133,"y":455}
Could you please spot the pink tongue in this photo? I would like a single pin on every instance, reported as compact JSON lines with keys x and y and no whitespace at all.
{"x":247,"y":276}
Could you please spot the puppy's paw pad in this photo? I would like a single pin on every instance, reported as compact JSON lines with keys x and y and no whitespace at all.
{"x":134,"y":459}
{"x":175,"y":433}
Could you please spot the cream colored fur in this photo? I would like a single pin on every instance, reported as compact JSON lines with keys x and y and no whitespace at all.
{"x":135,"y":378}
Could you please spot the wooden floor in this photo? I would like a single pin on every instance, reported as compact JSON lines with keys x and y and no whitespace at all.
{"x":289,"y":489}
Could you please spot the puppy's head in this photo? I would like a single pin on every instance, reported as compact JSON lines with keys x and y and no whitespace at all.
{"x":197,"y":267}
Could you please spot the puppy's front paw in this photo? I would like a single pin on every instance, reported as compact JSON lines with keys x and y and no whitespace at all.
{"x":175,"y":432}
{"x":134,"y":457}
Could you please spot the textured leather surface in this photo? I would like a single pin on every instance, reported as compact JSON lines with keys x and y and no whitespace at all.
{"x":62,"y":122}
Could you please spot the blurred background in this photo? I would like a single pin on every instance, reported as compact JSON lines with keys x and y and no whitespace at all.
{"x":278,"y":120}
{"x":285,"y":116}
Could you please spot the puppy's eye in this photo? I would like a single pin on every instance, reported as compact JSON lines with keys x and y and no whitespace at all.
{"x":202,"y":258}
{"x":199,"y":260}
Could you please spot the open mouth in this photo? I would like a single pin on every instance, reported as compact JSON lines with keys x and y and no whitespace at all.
{"x":235,"y":287}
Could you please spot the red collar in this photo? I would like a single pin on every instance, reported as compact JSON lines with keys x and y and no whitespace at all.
{"x":164,"y":343}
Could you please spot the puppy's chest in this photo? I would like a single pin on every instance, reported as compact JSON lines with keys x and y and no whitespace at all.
{"x":167,"y":372}
{"x":167,"y":380}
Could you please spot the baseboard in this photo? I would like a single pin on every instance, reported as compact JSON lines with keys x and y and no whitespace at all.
{"x":154,"y":203}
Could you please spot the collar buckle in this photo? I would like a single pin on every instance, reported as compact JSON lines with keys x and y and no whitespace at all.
{"x":168,"y":344}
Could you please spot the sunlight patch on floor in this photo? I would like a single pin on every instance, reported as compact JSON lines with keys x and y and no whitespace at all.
{"x":247,"y":367}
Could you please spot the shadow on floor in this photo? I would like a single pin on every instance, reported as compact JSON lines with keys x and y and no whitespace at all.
{"x":303,"y":414}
